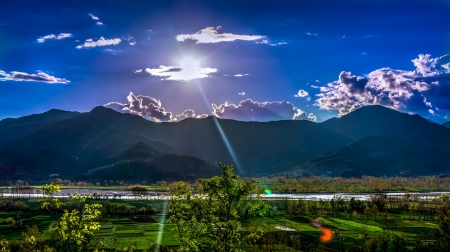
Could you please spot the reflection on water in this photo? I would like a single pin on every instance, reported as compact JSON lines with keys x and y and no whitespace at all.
{"x":152,"y":195}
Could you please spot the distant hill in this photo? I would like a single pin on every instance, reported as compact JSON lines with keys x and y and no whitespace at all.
{"x":373,"y":140}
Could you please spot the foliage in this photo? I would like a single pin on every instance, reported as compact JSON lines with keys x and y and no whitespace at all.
{"x":10,"y":221}
{"x":210,"y":220}
{"x":4,"y":245}
{"x":75,"y":229}
{"x":50,"y":190}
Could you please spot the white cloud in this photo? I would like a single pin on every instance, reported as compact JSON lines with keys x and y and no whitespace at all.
{"x":100,"y":42}
{"x":93,"y":17}
{"x":268,"y":42}
{"x":397,"y":89}
{"x":211,"y":35}
{"x":53,"y":36}
{"x":99,"y":23}
{"x":138,"y":71}
{"x":311,"y":34}
{"x":302,"y":93}
{"x":150,"y":108}
{"x":181,"y":74}
{"x":238,"y":75}
{"x":318,"y":81}
{"x":40,"y":76}
{"x":241,"y":93}
{"x":248,"y":110}
{"x":189,"y":113}
{"x":132,"y":43}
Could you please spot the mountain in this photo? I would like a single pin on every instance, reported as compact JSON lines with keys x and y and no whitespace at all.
{"x":142,"y":162}
{"x":446,"y":124}
{"x":103,"y":143}
{"x":15,"y":128}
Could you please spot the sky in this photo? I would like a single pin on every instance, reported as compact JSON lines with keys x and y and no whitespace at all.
{"x":244,"y":60}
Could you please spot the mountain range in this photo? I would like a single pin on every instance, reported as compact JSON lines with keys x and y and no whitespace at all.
{"x":105,"y":144}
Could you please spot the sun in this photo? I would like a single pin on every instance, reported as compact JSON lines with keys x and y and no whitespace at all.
{"x":187,"y":63}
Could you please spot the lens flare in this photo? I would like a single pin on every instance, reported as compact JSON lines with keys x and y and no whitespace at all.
{"x":267,"y":191}
{"x":326,"y":235}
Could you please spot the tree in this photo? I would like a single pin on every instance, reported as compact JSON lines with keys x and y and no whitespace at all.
{"x":4,"y":245}
{"x":374,"y":211}
{"x":75,"y":229}
{"x":50,"y":190}
{"x":10,"y":221}
{"x":367,"y":211}
{"x":414,"y":207}
{"x":210,"y":219}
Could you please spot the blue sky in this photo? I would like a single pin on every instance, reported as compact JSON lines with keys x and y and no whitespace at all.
{"x":298,"y":59}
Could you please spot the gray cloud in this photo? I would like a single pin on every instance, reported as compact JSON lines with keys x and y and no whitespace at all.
{"x":211,"y":35}
{"x":40,"y":76}
{"x":248,"y":110}
{"x":426,"y":87}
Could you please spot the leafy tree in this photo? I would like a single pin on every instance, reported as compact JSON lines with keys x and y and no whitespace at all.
{"x":374,"y":211}
{"x":50,"y":190}
{"x":210,"y":220}
{"x":4,"y":246}
{"x":75,"y":229}
{"x":10,"y":221}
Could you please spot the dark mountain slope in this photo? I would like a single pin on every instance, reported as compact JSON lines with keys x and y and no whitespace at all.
{"x":259,"y":147}
{"x":446,"y":124}
{"x":141,"y":162}
{"x":379,"y":156}
{"x":15,"y":128}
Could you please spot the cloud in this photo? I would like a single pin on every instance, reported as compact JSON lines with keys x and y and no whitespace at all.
{"x":248,"y":110}
{"x":150,"y":108}
{"x":189,"y":113}
{"x":40,"y":76}
{"x":99,"y":23}
{"x":312,"y":34}
{"x":138,"y":71}
{"x":93,"y":17}
{"x":53,"y":36}
{"x":241,"y":93}
{"x":132,"y":43}
{"x":416,"y":91}
{"x":100,"y":42}
{"x":302,"y":93}
{"x":181,"y":74}
{"x":211,"y":35}
{"x":268,"y":42}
